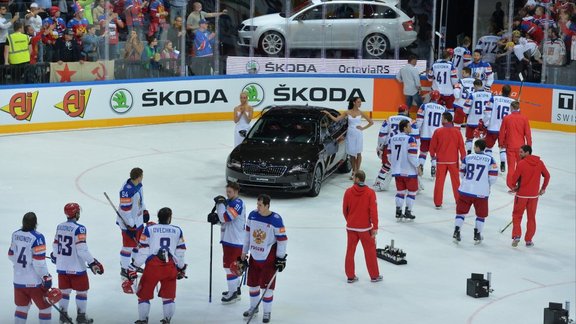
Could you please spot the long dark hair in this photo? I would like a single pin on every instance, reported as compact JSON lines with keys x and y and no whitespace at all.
{"x":351,"y":102}
{"x":29,"y":222}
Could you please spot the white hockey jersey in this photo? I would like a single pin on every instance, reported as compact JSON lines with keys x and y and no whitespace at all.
{"x":478,"y":173}
{"x":131,"y":205}
{"x":403,"y":156}
{"x":262,"y":232}
{"x":483,"y":71}
{"x":429,"y":119}
{"x":443,"y":76}
{"x":70,"y":248}
{"x":475,"y":105}
{"x":462,"y":57}
{"x":232,"y":217}
{"x":390,"y":127}
{"x":489,"y":46}
{"x":462,"y":91}
{"x":494,"y":114}
{"x":161,"y":236}
{"x":28,"y":255}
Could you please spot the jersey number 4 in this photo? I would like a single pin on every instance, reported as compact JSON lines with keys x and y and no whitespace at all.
{"x":22,"y":258}
{"x":65,"y":245}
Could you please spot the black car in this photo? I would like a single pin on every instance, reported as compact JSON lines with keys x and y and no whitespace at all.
{"x":290,"y":149}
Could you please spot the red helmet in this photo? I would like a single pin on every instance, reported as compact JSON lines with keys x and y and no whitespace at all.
{"x":434,"y":95}
{"x":402,"y":108}
{"x":72,"y":210}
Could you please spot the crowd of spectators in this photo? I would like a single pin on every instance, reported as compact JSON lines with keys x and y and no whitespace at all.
{"x":148,"y":34}
{"x":542,"y":31}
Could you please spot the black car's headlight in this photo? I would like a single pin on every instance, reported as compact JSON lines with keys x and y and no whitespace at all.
{"x":234,"y":164}
{"x":300,"y":168}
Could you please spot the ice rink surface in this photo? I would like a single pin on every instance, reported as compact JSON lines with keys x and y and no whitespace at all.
{"x":184,"y":169}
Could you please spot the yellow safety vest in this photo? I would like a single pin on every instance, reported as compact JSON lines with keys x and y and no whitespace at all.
{"x":18,"y":52}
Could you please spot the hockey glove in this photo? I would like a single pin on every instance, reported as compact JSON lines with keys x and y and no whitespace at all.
{"x":146,"y":216}
{"x":131,"y":231}
{"x":239,"y":266}
{"x":182,"y":272}
{"x":96,"y":267}
{"x":213,"y":218}
{"x":220,"y":200}
{"x":52,"y":257}
{"x":280,"y":263}
{"x":47,"y":282}
{"x":131,"y":273}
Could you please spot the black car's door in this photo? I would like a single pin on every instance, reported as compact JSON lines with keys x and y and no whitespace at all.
{"x":331,"y":135}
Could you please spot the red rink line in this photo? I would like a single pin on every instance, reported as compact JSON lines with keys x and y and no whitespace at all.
{"x":541,"y":286}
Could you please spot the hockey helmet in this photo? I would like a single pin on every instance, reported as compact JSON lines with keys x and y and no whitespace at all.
{"x":434,"y":95}
{"x":53,"y":296}
{"x":402,"y":108}
{"x":72,"y":210}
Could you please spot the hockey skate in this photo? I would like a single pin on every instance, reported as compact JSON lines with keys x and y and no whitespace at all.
{"x":456,"y":235}
{"x":64,"y":318}
{"x":477,"y":237}
{"x":249,"y":312}
{"x":238,"y":292}
{"x":515,"y":241}
{"x":266,"y":317}
{"x":230,"y":299}
{"x":502,"y":167}
{"x":399,"y":214}
{"x":82,"y":319}
{"x":352,"y":280}
{"x":165,"y":321}
{"x":433,"y":171}
{"x":438,"y":207}
{"x":408,"y":215}
{"x":142,"y":321}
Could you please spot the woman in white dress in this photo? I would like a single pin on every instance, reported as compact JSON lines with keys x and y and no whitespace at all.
{"x":354,"y":137}
{"x":242,"y":117}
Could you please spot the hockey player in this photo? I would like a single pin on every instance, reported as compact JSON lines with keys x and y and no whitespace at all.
{"x":493,"y":116}
{"x":488,"y":45}
{"x":514,"y":132}
{"x":388,"y":129}
{"x":462,"y":56}
{"x":481,"y":70}
{"x":31,"y":277}
{"x":133,"y":215}
{"x":444,"y":76}
{"x":526,"y":184}
{"x":478,"y":173}
{"x":232,"y":215}
{"x":428,"y":121}
{"x":403,"y":156}
{"x":71,"y":255}
{"x":474,"y":108}
{"x":162,"y":249}
{"x":266,"y":241}
{"x":447,"y":148}
{"x":462,"y":91}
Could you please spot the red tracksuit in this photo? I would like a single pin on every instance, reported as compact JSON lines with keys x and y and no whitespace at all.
{"x":527,"y":179}
{"x":514,"y":132}
{"x":361,"y":214}
{"x":447,"y":147}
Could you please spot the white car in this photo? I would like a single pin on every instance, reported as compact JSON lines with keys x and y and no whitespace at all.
{"x":377,"y":26}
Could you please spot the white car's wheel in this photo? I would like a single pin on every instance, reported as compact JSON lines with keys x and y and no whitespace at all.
{"x":272,"y":43}
{"x":376,"y":45}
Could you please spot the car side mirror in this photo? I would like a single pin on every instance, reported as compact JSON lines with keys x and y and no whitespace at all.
{"x":242,"y":133}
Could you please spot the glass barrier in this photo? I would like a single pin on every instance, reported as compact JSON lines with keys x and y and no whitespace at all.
{"x":149,"y":38}
{"x":535,"y":42}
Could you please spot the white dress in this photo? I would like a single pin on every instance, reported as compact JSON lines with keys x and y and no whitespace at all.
{"x":242,"y":124}
{"x":354,"y":139}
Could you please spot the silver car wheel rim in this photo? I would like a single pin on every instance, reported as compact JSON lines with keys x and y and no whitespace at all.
{"x":317,"y":180}
{"x":376,"y":45}
{"x":272,"y":43}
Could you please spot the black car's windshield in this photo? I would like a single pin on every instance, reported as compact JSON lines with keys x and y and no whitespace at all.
{"x":296,"y":8}
{"x":290,"y":130}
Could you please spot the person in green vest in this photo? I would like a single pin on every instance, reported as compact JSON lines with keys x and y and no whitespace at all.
{"x":17,"y":52}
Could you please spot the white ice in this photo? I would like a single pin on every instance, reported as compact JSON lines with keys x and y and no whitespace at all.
{"x":184,"y":169}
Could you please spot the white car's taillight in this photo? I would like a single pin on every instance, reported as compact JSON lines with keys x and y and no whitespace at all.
{"x":408,"y":25}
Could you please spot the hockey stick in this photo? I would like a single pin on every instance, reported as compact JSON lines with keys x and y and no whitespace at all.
{"x":521,"y":77}
{"x":502,"y":231}
{"x":211,"y":248}
{"x":122,"y":219}
{"x":62,"y":314}
{"x":262,"y":297}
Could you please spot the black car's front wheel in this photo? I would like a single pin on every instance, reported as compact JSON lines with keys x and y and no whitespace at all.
{"x":316,"y":182}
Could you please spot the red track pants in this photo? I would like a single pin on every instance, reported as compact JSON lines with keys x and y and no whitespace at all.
{"x":530,"y":205}
{"x":369,"y":246}
{"x":441,"y":170}
{"x":512,"y":158}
